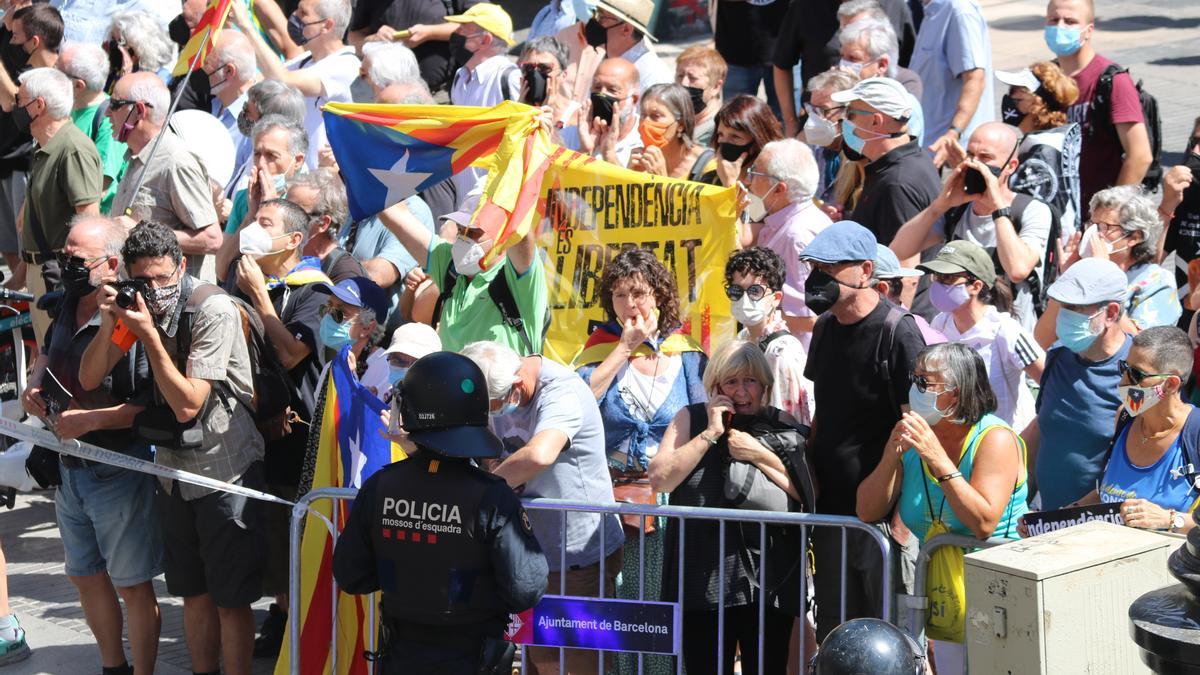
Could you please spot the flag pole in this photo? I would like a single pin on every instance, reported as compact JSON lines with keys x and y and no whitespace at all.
{"x":171,"y":110}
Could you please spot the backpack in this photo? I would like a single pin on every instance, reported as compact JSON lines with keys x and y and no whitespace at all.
{"x":502,"y":297}
{"x":98,"y":119}
{"x":1048,"y":170}
{"x":1102,"y":118}
{"x":1038,"y":280}
{"x":271,"y":403}
{"x":506,"y":93}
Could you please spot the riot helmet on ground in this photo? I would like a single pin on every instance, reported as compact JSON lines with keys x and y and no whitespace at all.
{"x":868,"y":647}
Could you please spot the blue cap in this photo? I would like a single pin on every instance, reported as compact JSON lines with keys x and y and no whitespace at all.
{"x":362,"y":292}
{"x":842,"y":241}
{"x":887,"y":265}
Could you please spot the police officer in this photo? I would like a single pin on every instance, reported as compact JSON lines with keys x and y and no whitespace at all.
{"x":448,"y":544}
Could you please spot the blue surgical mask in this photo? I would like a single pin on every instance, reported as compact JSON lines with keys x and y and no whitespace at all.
{"x":925,"y":404}
{"x":1075,"y":330}
{"x":505,"y":408}
{"x":1062,"y":40}
{"x":851,"y":137}
{"x":335,"y":335}
{"x":396,"y":374}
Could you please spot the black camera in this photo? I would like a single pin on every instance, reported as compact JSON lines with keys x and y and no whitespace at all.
{"x":127,"y":291}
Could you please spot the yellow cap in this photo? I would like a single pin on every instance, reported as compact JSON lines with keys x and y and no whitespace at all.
{"x":489,"y":17}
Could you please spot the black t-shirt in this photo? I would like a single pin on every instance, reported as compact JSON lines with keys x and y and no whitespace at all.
{"x":1183,"y":237}
{"x":16,"y":148}
{"x":746,"y":31}
{"x":196,"y":96}
{"x":856,"y":413}
{"x":339,"y":265}
{"x":298,"y":308}
{"x":808,"y":37}
{"x":433,"y":57}
{"x":897,"y":187}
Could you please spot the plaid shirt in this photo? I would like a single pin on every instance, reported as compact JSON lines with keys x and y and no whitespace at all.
{"x":218,"y":354}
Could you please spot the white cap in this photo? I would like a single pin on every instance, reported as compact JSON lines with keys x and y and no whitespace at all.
{"x":1021,"y":78}
{"x":415,"y":340}
{"x":881,"y":93}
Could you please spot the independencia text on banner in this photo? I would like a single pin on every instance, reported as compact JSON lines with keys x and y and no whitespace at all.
{"x":589,"y":211}
{"x":593,"y":623}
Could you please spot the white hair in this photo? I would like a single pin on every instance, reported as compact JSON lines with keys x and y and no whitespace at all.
{"x":879,"y":40}
{"x":152,"y":92}
{"x":391,"y":63}
{"x":339,"y":11}
{"x":53,"y":87}
{"x":855,"y":7}
{"x":234,"y":49}
{"x":146,"y":39}
{"x":498,"y":363}
{"x":85,"y":61}
{"x":792,"y":162}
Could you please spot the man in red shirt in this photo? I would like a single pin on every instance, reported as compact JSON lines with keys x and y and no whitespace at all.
{"x":1116,"y":151}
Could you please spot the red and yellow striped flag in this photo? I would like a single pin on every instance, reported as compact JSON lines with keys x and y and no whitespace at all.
{"x":204,"y":36}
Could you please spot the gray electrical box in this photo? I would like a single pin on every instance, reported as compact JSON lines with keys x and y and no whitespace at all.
{"x":1058,"y":603}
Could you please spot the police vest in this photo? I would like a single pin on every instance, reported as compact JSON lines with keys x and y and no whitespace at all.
{"x":434,"y":559}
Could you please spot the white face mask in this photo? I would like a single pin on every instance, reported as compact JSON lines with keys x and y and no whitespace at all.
{"x":466,"y":255}
{"x":255,"y":242}
{"x":851,"y":66}
{"x":751,"y":313}
{"x":820,"y":131}
{"x":1085,"y":242}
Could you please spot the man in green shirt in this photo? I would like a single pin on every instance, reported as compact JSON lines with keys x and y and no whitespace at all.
{"x":64,"y":178}
{"x":469,"y":313}
{"x":87,"y":67}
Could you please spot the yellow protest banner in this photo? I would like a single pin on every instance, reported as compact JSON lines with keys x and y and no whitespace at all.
{"x":591,"y":210}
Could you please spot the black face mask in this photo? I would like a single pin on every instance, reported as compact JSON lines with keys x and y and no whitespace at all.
{"x":1009,"y":112}
{"x":697,"y":96}
{"x":731,"y":151}
{"x":535,"y":84}
{"x":179,"y":31}
{"x":15,"y":55}
{"x":821,"y":291}
{"x":602,"y":107}
{"x":1192,"y":160}
{"x":77,"y":279}
{"x":21,"y":117}
{"x":458,"y":49}
{"x":595,"y":34}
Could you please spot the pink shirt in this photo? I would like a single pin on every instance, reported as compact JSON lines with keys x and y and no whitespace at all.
{"x":788,"y":232}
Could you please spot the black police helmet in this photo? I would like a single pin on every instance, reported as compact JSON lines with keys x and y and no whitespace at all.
{"x":868,"y":647}
{"x":444,"y":406}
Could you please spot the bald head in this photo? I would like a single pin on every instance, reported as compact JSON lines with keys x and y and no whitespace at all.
{"x":147,"y":89}
{"x":233,"y":49}
{"x":405,"y":93}
{"x":993,"y":142}
{"x":617,"y":78}
{"x":94,"y":237}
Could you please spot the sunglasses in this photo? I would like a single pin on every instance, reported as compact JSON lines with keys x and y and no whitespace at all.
{"x":65,"y":260}
{"x":543,"y":68}
{"x":339,"y":315}
{"x":1136,"y":374}
{"x":923,"y":384}
{"x":755,"y":291}
{"x":118,"y":103}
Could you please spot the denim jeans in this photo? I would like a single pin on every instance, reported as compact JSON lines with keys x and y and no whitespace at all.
{"x":108,"y":522}
{"x":745,"y":80}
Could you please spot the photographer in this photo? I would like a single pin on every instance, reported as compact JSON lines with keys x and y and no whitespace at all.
{"x":202,"y":420}
{"x":105,"y":514}
{"x":976,"y":204}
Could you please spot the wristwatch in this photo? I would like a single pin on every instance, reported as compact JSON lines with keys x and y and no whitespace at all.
{"x":956,"y":130}
{"x":1177,"y":521}
{"x":1005,"y":212}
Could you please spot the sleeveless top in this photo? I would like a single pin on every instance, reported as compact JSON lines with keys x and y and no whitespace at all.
{"x":921,"y":498}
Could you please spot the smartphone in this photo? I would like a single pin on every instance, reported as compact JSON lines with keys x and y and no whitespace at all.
{"x":973,"y":183}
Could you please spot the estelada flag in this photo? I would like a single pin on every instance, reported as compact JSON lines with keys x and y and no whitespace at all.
{"x":204,"y":36}
{"x":387,"y":153}
{"x":350,"y":446}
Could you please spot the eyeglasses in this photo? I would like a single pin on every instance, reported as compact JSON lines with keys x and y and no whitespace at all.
{"x":752,"y":172}
{"x":118,"y":103}
{"x":1136,"y":374}
{"x":65,"y":260}
{"x":158,"y":280}
{"x":953,"y":279}
{"x":923,"y":384}
{"x":1103,"y":228}
{"x":823,"y":113}
{"x":755,"y":291}
{"x":543,"y":68}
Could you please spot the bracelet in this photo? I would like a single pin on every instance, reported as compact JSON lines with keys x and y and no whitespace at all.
{"x":711,"y":440}
{"x":949,"y":476}
{"x":1168,"y":216}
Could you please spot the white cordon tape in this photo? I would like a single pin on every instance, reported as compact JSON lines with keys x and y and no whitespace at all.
{"x":95,"y":453}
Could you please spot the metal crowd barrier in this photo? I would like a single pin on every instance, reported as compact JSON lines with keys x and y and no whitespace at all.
{"x":682,"y":513}
{"x":913,"y":607}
